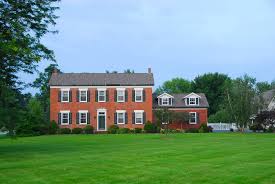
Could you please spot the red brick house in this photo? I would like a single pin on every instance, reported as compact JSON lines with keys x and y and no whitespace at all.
{"x":101,"y":99}
{"x":196,"y":105}
{"x":126,"y":100}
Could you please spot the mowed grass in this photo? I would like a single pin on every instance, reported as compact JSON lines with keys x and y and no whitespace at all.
{"x":145,"y":158}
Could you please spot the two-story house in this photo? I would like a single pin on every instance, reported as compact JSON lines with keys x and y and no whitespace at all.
{"x":195,"y":105}
{"x":101,"y":99}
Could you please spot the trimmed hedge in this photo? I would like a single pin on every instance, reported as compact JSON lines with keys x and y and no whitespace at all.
{"x":65,"y":131}
{"x":113,"y":129}
{"x":88,"y":129}
{"x":77,"y":131}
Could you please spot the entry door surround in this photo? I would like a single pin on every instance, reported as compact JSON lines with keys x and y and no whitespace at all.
{"x":101,"y":119}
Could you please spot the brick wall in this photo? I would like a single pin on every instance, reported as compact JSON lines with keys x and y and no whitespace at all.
{"x":111,"y":106}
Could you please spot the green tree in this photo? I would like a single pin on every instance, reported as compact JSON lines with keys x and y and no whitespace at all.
{"x":22,"y":26}
{"x":242,"y":100}
{"x":213,"y":85}
{"x":222,"y":115}
{"x":263,"y":86}
{"x":176,"y":85}
{"x":42,"y":83}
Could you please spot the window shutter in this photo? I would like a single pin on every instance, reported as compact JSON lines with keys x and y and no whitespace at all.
{"x":115,"y":96}
{"x":59,"y":96}
{"x":107,"y":95}
{"x":96,"y":95}
{"x":198,"y":117}
{"x":115,"y":118}
{"x":77,"y":118}
{"x":160,"y":101}
{"x":126,"y":118}
{"x":144,"y":117}
{"x":70,"y":96}
{"x":187,"y":101}
{"x":88,"y":118}
{"x":170,"y":101}
{"x":133,"y":95}
{"x":70,"y":118}
{"x":59,"y":118}
{"x":77,"y":95}
{"x":126,"y":95}
{"x":133,"y":118}
{"x":197,"y":101}
{"x":144,"y":95}
{"x":88,"y":96}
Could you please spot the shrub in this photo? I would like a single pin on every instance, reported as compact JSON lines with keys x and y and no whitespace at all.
{"x":88,"y":129}
{"x":124,"y":130}
{"x":138,"y":130}
{"x":205,"y":129}
{"x":150,"y":127}
{"x":270,"y":129}
{"x":53,"y":128}
{"x":65,"y":131}
{"x":113,"y":129}
{"x":192,"y":130}
{"x":256,"y":127}
{"x":77,"y":131}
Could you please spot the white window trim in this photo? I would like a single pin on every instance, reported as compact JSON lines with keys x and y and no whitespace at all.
{"x":65,"y":112}
{"x":124,"y":119}
{"x":81,"y":90}
{"x":168,"y":101}
{"x":120,"y":90}
{"x":195,"y":101}
{"x":79,"y":118}
{"x":139,"y":90}
{"x":139,"y":111}
{"x":100,"y":90}
{"x":193,"y":123}
{"x":67,"y":90}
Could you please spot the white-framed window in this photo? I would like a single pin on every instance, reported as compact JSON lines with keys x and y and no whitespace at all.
{"x":138,"y":95}
{"x":120,"y":95}
{"x":83,"y":95}
{"x":192,"y":101}
{"x":83,"y":117}
{"x":120,"y":117}
{"x":101,"y":95}
{"x":165,"y":101}
{"x":193,"y":118}
{"x":139,"y":117}
{"x":65,"y":117}
{"x":65,"y":95}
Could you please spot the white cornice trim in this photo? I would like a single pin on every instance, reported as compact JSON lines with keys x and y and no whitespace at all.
{"x":95,"y":87}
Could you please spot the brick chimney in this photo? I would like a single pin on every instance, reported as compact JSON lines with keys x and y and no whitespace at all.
{"x":55,"y":71}
{"x":149,"y":70}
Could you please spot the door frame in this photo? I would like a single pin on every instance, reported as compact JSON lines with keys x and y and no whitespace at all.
{"x":101,"y":111}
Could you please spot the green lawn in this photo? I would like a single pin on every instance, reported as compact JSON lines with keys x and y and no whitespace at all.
{"x":178,"y":158}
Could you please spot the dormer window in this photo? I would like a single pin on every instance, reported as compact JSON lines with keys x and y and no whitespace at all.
{"x":165,"y":100}
{"x":192,"y":99}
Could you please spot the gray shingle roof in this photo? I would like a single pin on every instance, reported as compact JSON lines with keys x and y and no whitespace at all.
{"x":102,"y":79}
{"x":178,"y":101}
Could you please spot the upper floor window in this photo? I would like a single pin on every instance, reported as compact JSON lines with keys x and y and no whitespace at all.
{"x":193,"y":118}
{"x":192,"y":99}
{"x":83,"y":95}
{"x":101,"y":95}
{"x":120,"y":95}
{"x":65,"y":95}
{"x":139,"y":95}
{"x":165,"y":99}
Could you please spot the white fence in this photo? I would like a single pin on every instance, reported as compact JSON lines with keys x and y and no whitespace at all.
{"x":223,"y":126}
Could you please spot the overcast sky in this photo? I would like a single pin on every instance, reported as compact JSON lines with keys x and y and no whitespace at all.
{"x":177,"y":38}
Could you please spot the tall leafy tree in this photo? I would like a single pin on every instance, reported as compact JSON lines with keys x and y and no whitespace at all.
{"x":242,"y":100}
{"x":42,"y":83}
{"x":176,"y":85}
{"x":213,"y":85}
{"x":263,"y":86}
{"x":22,"y":25}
